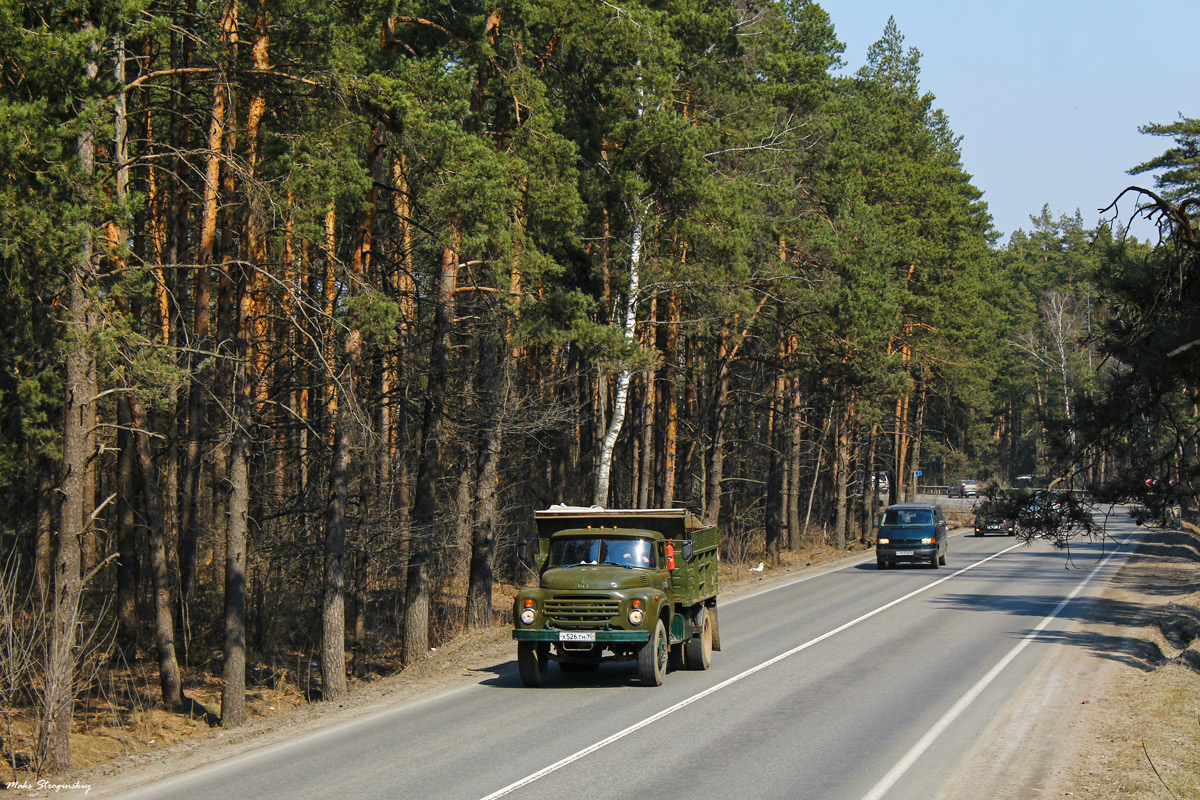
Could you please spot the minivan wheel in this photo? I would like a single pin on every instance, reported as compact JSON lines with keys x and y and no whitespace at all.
{"x":934,"y":559}
{"x":880,"y":563}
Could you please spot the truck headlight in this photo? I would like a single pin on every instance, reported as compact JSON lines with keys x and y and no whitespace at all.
{"x":528,"y":615}
{"x":637,"y":613}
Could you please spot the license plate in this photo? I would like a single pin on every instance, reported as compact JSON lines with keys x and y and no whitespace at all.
{"x":904,"y":552}
{"x":577,"y":636}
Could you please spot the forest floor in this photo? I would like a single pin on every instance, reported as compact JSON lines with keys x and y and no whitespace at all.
{"x":1115,"y":714}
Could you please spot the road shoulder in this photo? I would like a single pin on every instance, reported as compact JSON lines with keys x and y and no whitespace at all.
{"x":1114,"y":711}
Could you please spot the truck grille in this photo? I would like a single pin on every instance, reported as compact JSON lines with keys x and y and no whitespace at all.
{"x":581,"y":609}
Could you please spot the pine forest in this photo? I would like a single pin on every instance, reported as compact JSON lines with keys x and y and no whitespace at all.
{"x":309,"y":306}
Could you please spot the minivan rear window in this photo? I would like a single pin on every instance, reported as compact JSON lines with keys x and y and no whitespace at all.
{"x":908,"y":516}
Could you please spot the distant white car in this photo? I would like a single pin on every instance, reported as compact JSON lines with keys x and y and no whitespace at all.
{"x":963,"y":489}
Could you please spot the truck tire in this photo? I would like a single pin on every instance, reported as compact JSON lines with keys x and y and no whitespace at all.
{"x":652,"y":657}
{"x":698,"y":649}
{"x":533,"y":662}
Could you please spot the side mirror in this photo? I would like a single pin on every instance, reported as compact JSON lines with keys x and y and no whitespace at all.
{"x":686,"y":549}
{"x":522,"y":549}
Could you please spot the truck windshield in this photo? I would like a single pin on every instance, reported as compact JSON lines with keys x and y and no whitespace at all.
{"x":569,"y":552}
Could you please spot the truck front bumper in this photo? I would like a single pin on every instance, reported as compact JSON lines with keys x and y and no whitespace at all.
{"x":602,"y":637}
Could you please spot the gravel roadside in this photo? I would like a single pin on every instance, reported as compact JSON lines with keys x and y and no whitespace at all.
{"x":1114,"y":712}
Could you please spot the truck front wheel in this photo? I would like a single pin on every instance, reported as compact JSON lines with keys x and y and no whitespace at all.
{"x":533,"y":662}
{"x":652,"y":657}
{"x":699,"y":648}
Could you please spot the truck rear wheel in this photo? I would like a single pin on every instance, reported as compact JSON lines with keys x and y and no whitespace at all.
{"x":699,"y":649}
{"x":652,"y":657}
{"x":533,"y":662}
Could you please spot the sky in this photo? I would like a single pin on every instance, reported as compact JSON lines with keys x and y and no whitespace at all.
{"x":1047,"y":96}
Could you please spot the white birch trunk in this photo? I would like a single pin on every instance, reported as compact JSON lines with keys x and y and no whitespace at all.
{"x":604,"y":467}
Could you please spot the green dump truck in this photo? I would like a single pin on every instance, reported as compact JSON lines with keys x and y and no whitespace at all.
{"x":618,"y":585}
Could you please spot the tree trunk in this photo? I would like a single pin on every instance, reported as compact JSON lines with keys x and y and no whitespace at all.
{"x":621,"y":397}
{"x":233,"y":685}
{"x":900,"y":480}
{"x":43,"y":560}
{"x":359,"y":563}
{"x":333,"y":607}
{"x":812,"y":490}
{"x":233,"y":688}
{"x":669,"y":416}
{"x":247,"y":314}
{"x":485,"y":507}
{"x":127,"y":544}
{"x":841,"y":474}
{"x":333,"y":611}
{"x":777,"y":455}
{"x":870,"y":486}
{"x":918,"y":425}
{"x":60,"y":664}
{"x":796,"y":458}
{"x":716,"y":458}
{"x":59,"y":696}
{"x":164,"y":630}
{"x":645,"y":487}
{"x":202,"y":320}
{"x":424,"y":517}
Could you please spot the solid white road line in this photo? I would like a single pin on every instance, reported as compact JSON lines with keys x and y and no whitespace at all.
{"x":637,"y":726}
{"x":904,"y":764}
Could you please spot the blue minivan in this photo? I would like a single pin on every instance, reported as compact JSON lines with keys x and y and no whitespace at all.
{"x":912,"y":533}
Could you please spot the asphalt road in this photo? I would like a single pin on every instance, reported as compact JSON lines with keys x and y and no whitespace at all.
{"x":854,"y":683}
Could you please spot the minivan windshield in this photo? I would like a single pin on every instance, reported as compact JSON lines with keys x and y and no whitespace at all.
{"x":576,"y":550}
{"x":908,"y":516}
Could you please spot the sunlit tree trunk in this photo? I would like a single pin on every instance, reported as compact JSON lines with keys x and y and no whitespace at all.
{"x":841,"y":474}
{"x":776,"y":457}
{"x":668,"y":440}
{"x":246,"y":376}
